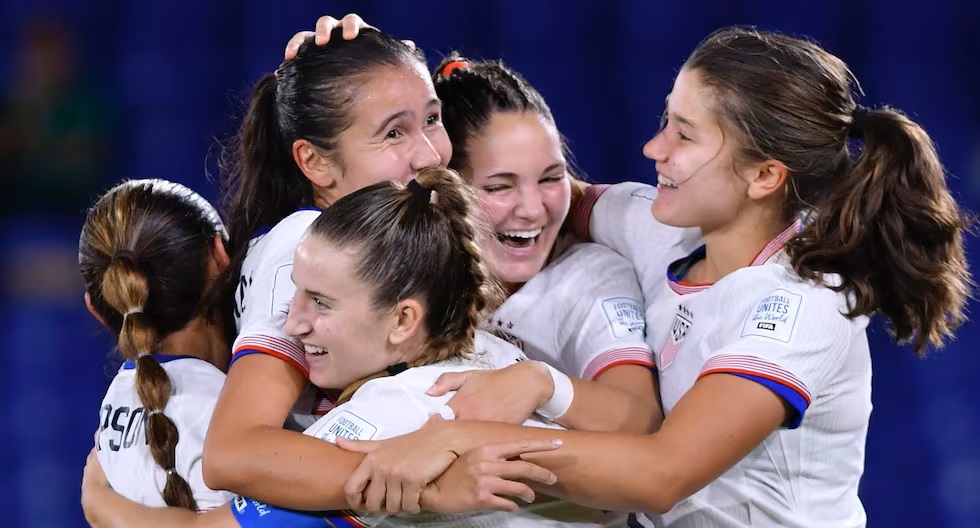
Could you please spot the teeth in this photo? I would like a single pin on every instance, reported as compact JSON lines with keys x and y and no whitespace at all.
{"x":666,"y":182}
{"x":522,"y":234}
{"x":314,"y":350}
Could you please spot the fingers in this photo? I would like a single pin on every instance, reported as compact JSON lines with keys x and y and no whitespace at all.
{"x":393,"y":499}
{"x":512,"y":449}
{"x":375,"y":495}
{"x":292,"y":47}
{"x":449,"y":381}
{"x":523,"y":470}
{"x":506,"y":488}
{"x":357,"y":446}
{"x":353,"y":24}
{"x":411,"y":497}
{"x":324,"y":27}
{"x":355,"y":486}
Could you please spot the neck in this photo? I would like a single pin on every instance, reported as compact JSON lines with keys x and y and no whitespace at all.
{"x":734,"y":246}
{"x":201,"y":340}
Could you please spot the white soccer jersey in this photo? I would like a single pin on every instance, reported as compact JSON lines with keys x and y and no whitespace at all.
{"x":392,"y":406}
{"x":619,"y":217}
{"x":265,"y":289}
{"x":122,"y":448}
{"x":765,"y":324}
{"x":582,"y":314}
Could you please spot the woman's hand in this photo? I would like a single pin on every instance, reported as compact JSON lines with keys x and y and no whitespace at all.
{"x":507,"y":395}
{"x":395,"y":471}
{"x":487,"y":478}
{"x":352,"y":24}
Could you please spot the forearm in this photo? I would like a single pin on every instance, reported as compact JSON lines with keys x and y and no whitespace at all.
{"x":281,"y":467}
{"x":104,"y":508}
{"x":606,"y":406}
{"x":611,"y":471}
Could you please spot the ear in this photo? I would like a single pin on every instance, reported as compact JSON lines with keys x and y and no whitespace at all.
{"x":316,"y":166}
{"x":408,"y":317}
{"x":91,"y":310}
{"x":219,"y":256}
{"x":766,"y":179}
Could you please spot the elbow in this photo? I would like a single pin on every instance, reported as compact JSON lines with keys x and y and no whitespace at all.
{"x":218,"y":466}
{"x":663,"y":494}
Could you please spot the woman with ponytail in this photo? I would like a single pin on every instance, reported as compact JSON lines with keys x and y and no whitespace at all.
{"x":149,"y":253}
{"x":391,"y":289}
{"x":759,"y":334}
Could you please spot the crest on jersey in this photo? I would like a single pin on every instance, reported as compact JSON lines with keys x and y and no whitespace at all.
{"x":679,"y":328}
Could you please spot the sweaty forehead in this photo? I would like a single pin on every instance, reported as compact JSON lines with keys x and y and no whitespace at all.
{"x":390,"y":89}
{"x":692,"y":99}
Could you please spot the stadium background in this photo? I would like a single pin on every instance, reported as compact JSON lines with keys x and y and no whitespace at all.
{"x":95,"y":91}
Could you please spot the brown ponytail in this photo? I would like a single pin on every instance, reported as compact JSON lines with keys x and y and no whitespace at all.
{"x":893,"y":232}
{"x":143,"y":254}
{"x":885,"y":223}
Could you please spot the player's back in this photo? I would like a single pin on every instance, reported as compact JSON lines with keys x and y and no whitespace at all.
{"x":122,"y":445}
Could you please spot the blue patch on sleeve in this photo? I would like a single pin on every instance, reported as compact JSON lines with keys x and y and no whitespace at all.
{"x":792,"y":397}
{"x":251,"y":513}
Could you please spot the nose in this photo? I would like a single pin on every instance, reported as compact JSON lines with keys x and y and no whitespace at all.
{"x":297,"y":323}
{"x":425,"y":155}
{"x":530,"y":205}
{"x":656,"y":148}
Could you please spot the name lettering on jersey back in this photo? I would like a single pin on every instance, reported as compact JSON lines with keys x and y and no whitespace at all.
{"x":347,"y":425}
{"x":774,"y":316}
{"x":125,"y":425}
{"x":624,"y":315}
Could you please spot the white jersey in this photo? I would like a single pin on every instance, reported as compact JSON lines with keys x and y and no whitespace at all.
{"x":122,"y":449}
{"x":265,"y":289}
{"x":392,"y":406}
{"x":765,"y":324}
{"x":582,"y":314}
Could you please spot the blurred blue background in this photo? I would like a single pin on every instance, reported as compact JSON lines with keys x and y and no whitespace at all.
{"x":98,"y":90}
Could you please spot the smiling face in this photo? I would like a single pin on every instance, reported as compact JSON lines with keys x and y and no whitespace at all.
{"x":396,"y":131}
{"x":698,"y":183}
{"x":519,"y":172}
{"x":332,"y":315}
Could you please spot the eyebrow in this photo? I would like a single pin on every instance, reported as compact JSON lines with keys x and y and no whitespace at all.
{"x":403,"y":113}
{"x":683,"y":120}
{"x":392,"y":117}
{"x":550,"y":168}
{"x":311,"y":292}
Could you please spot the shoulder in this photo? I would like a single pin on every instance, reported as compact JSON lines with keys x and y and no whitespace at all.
{"x":194,"y":378}
{"x":283,"y":238}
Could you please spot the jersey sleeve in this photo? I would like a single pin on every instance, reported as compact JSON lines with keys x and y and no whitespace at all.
{"x":603,"y":325}
{"x":266,"y":301}
{"x":791,"y":341}
{"x":380,"y":409}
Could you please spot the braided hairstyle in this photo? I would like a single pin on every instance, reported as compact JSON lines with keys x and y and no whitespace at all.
{"x":143,"y":255}
{"x":419,"y":241}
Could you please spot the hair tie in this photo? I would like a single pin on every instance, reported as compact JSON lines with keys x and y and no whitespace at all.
{"x":859,"y":121}
{"x":453,"y":66}
{"x":127,"y":255}
{"x":154,"y":411}
{"x":132,"y":311}
{"x":422,"y":194}
{"x":397,"y":369}
{"x":171,"y":471}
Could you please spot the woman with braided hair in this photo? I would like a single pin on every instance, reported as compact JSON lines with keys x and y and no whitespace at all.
{"x":149,"y":253}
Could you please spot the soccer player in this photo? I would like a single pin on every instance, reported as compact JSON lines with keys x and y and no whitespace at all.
{"x":149,"y":253}
{"x":765,"y":372}
{"x":390,"y":290}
